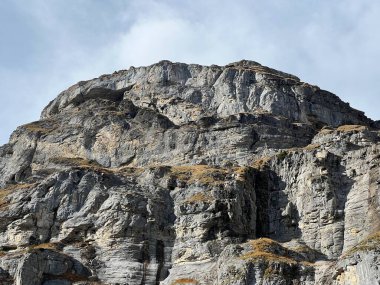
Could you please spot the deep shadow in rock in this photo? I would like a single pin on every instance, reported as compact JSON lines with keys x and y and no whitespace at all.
{"x":270,"y":199}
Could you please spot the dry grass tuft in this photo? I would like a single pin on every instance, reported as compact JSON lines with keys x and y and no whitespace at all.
{"x":127,"y":170}
{"x":14,"y":187}
{"x":326,"y":131}
{"x":372,"y":242}
{"x":240,"y":172}
{"x":206,"y":175}
{"x":351,"y":128}
{"x":185,"y":281}
{"x":51,"y":245}
{"x":199,"y":197}
{"x":203,"y":174}
{"x":94,"y":166}
{"x":261,"y":162}
{"x":42,"y":127}
{"x":312,"y":146}
{"x":268,"y":250}
{"x":4,"y":192}
{"x":260,"y":111}
{"x":309,"y":147}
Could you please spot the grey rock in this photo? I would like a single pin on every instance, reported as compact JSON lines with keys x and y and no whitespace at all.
{"x":239,"y":87}
{"x":189,"y":174}
{"x":360,"y":265}
{"x":44,"y":266}
{"x":5,"y":278}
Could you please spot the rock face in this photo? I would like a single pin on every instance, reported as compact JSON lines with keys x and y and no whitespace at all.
{"x":53,"y":268}
{"x":189,"y":174}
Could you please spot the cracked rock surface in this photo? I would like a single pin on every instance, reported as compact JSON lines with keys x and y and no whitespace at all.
{"x":189,"y":174}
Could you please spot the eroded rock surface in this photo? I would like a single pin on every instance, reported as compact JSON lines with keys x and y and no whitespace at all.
{"x":189,"y":174}
{"x":44,"y":266}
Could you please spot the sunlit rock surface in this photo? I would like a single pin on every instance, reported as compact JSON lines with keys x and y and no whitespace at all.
{"x":190,"y":174}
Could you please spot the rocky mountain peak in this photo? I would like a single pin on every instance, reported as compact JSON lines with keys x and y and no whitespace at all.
{"x":241,"y":87}
{"x":180,"y":173}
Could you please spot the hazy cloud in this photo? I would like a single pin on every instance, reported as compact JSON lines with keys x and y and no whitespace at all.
{"x":48,"y":45}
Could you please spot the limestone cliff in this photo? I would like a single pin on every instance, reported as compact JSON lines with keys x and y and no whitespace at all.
{"x":189,"y":174}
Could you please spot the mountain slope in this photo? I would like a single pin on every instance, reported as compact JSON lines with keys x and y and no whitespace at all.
{"x":189,"y":174}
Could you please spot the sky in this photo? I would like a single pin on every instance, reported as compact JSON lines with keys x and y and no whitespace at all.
{"x":48,"y":45}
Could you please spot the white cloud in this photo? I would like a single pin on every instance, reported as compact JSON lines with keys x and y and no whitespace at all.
{"x":333,"y":44}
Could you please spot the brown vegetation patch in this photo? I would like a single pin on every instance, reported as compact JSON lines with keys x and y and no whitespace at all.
{"x":185,"y":281}
{"x":261,"y":162}
{"x":240,"y":172}
{"x":94,"y":166}
{"x":325,"y":131}
{"x":268,"y":250}
{"x":309,"y":147}
{"x":351,"y":128}
{"x":4,"y":192}
{"x":207,"y":175}
{"x":269,"y":271}
{"x":199,"y":197}
{"x":128,"y":170}
{"x":372,"y":242}
{"x":43,"y":127}
{"x":260,"y":111}
{"x":51,"y":245}
{"x":203,"y":174}
{"x":312,"y":146}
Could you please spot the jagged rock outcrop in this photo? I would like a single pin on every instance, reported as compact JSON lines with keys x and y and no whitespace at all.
{"x":49,"y":267}
{"x":189,"y":174}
